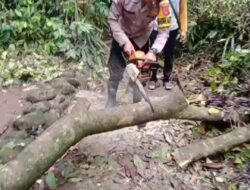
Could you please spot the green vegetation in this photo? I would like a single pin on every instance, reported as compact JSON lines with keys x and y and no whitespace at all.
{"x":69,"y":28}
{"x":73,"y":31}
{"x":214,"y":23}
{"x":222,"y":28}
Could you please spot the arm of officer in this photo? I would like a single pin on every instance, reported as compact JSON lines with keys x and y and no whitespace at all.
{"x":113,"y":20}
{"x":160,"y":40}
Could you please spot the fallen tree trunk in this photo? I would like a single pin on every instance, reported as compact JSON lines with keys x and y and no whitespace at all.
{"x":199,"y":114}
{"x":38,"y":156}
{"x":187,"y":154}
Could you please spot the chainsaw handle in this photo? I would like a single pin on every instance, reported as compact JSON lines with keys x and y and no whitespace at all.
{"x":126,"y":59}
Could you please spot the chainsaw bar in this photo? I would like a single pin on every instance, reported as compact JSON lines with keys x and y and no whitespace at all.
{"x":132,"y":73}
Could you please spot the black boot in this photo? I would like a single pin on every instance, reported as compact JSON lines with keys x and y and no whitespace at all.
{"x":112,"y":90}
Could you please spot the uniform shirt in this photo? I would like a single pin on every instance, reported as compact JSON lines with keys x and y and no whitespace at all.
{"x":128,"y":19}
{"x":180,"y":7}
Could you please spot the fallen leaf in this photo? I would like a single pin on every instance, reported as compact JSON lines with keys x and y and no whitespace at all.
{"x":126,"y":161}
{"x":169,"y":138}
{"x":209,"y":161}
{"x":238,"y":161}
{"x":220,"y":179}
{"x":188,"y":67}
{"x":161,"y":153}
{"x":179,"y":137}
{"x":41,"y":184}
{"x":51,"y":180}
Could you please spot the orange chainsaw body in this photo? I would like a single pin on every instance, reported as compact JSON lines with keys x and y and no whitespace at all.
{"x":145,"y":68}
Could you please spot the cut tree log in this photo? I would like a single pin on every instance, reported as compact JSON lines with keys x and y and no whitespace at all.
{"x":199,"y":114}
{"x":41,"y":154}
{"x":192,"y":152}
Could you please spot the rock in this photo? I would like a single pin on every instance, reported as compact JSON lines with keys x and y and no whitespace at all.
{"x":74,"y":82}
{"x":67,"y":90}
{"x":83,"y":79}
{"x":11,"y":149}
{"x":59,"y":83}
{"x":59,"y":99}
{"x":41,"y":95}
{"x":50,"y":117}
{"x":64,"y":105}
{"x":60,"y":107}
{"x":63,"y":85}
{"x":41,"y":106}
{"x":68,"y":74}
{"x":30,"y":120}
{"x":9,"y":154}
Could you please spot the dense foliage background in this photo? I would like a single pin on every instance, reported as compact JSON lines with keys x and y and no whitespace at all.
{"x":222,"y":29}
{"x":72,"y":29}
{"x":31,"y":31}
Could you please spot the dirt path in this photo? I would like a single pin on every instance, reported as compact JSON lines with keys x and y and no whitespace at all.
{"x":10,"y":105}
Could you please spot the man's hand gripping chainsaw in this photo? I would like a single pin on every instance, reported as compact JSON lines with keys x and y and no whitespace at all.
{"x":139,"y":71}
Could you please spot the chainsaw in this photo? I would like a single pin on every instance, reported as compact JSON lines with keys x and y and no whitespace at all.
{"x":139,"y":71}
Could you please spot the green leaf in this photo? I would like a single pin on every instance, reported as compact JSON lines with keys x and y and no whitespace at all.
{"x":212,"y":34}
{"x":4,"y":55}
{"x":247,"y":153}
{"x":18,"y":13}
{"x":214,"y":87}
{"x":238,"y":161}
{"x":51,"y":180}
{"x":232,"y":187}
{"x":213,"y":111}
{"x":138,"y":162}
